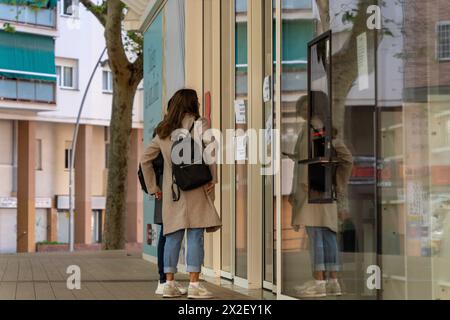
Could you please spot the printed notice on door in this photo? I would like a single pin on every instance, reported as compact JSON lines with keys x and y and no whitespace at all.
{"x":240,"y":111}
{"x":241,"y":148}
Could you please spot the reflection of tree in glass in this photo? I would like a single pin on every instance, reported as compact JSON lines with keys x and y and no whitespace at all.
{"x":345,"y":64}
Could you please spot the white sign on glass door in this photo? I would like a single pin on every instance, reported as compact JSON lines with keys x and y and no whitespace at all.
{"x":240,"y":110}
{"x":267,"y":89}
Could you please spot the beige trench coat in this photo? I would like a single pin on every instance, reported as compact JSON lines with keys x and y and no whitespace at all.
{"x":195,"y":209}
{"x":305,"y":214}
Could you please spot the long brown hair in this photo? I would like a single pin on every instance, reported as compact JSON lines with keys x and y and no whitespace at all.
{"x":184,"y":102}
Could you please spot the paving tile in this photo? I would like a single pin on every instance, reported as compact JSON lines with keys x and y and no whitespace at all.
{"x":25,"y":291}
{"x":104,"y":276}
{"x":44,"y":291}
{"x":61,"y":292}
{"x":8,"y":290}
{"x":12,"y":270}
{"x":24,"y":273}
{"x":98,"y":291}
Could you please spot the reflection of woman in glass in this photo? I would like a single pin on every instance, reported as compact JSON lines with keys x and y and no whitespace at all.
{"x":320,"y":220}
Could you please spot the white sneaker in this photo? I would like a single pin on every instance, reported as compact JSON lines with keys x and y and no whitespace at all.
{"x":305,"y":285}
{"x":199,"y":292}
{"x":160,"y":289}
{"x":170,"y":291}
{"x":317,"y":290}
{"x":334,"y":288}
{"x":182,"y":289}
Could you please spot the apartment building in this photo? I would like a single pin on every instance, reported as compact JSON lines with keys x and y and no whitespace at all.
{"x":49,"y":50}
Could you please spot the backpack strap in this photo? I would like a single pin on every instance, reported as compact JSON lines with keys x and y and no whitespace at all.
{"x":192,"y":127}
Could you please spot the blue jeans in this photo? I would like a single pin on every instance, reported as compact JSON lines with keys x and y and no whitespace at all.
{"x":323,"y":249}
{"x":195,"y":250}
{"x":161,"y":245}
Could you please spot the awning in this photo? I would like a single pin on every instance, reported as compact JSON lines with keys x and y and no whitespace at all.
{"x":50,"y":4}
{"x":27,"y":56}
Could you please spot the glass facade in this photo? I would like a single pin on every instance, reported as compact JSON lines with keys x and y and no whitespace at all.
{"x":364,"y":147}
{"x":163,"y":76}
{"x":389,"y":96}
{"x":241,"y":94}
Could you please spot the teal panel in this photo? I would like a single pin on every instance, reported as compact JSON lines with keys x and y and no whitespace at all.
{"x":27,"y":56}
{"x":153,"y":79}
{"x":241,"y":44}
{"x":296,"y":35}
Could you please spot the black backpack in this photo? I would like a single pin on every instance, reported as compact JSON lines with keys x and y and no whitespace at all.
{"x":192,"y":175}
{"x":158,"y":167}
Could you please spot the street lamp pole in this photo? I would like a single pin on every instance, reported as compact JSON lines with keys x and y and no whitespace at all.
{"x":72,"y":158}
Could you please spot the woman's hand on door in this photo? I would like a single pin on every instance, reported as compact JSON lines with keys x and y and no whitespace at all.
{"x":209,"y":187}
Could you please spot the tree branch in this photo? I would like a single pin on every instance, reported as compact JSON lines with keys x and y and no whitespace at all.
{"x":99,"y":11}
{"x":138,"y":68}
{"x":324,"y":11}
{"x":119,"y":62}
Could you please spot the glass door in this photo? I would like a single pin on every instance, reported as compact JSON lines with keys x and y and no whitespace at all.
{"x":329,"y":214}
{"x":227,"y":123}
{"x":241,"y":125}
{"x":268,"y":91}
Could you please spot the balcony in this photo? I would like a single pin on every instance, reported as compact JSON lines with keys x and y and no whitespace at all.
{"x":27,"y":71}
{"x":296,"y":4}
{"x":36,"y":13}
{"x":27,"y":90}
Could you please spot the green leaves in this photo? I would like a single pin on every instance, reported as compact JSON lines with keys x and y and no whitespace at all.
{"x":134,"y":42}
{"x":99,"y":9}
{"x":7,"y":27}
{"x":387,"y":32}
{"x":349,"y":16}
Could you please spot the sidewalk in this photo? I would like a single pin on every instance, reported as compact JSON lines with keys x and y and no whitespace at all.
{"x":104,"y":275}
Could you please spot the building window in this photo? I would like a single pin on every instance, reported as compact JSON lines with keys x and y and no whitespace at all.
{"x":443,"y":36}
{"x":107,"y":81}
{"x":39,"y":154}
{"x":69,"y":7}
{"x":67,"y":155}
{"x":66,"y":77}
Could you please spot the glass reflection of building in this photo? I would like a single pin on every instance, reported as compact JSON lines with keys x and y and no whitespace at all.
{"x":390,"y":104}
{"x":390,"y":108}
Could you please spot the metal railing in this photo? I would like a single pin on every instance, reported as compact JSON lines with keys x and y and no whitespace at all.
{"x":27,"y":15}
{"x":27,"y":90}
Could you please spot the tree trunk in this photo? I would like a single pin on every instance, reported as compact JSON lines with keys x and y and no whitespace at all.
{"x":345,"y":61}
{"x":120,"y":130}
{"x":126,"y":76}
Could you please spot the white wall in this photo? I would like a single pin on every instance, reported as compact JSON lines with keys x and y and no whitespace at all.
{"x":8,"y":230}
{"x":6,"y":150}
{"x":47,"y":133}
{"x":83,"y":40}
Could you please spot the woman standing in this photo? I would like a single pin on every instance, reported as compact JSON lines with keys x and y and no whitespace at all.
{"x":320,"y":219}
{"x":158,"y":166}
{"x":194,"y":211}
